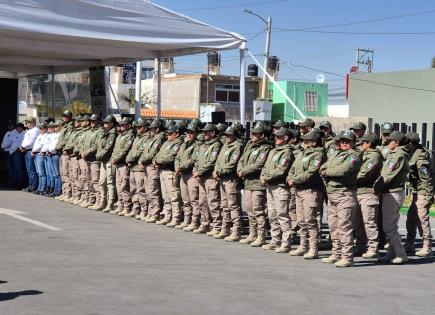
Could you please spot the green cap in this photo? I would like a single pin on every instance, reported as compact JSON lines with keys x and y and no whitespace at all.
{"x":232,"y":130}
{"x":280,"y":124}
{"x":259,"y":127}
{"x":172,"y":129}
{"x":348,"y":135}
{"x":110,"y":119}
{"x":325,"y":124}
{"x":141,"y":123}
{"x":221,"y":127}
{"x":193,"y":126}
{"x":283,"y":132}
{"x":42,"y":125}
{"x":337,"y":137}
{"x":358,"y":126}
{"x":78,"y":118}
{"x":86,"y":117}
{"x":307,"y":122}
{"x":209,"y":127}
{"x":126,"y":121}
{"x":412,"y":137}
{"x":371,"y":137}
{"x":311,"y":135}
{"x":396,"y":136}
{"x":67,"y":113}
{"x":51,"y":124}
{"x":157,"y":123}
{"x":387,"y":128}
{"x":94,"y":117}
{"x":58,"y":122}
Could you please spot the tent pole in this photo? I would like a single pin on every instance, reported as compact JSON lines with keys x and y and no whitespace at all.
{"x":137,"y":97}
{"x":159,"y":89}
{"x":242,"y":88}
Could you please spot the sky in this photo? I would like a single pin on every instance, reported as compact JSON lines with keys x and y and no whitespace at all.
{"x":402,"y":33}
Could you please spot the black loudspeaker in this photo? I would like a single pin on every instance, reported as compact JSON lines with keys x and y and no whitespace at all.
{"x":217,"y":117}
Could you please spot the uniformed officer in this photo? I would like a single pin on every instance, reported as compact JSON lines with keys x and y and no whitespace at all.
{"x":123,"y":145}
{"x":74,"y":163}
{"x":169,"y":179}
{"x":88,"y":154}
{"x":386,"y":130}
{"x":391,"y":185}
{"x":340,"y":173}
{"x":273,"y":176}
{"x":189,"y":186}
{"x":280,"y":124}
{"x":305,"y":178}
{"x":359,"y":129}
{"x":421,"y":183}
{"x":306,"y":125}
{"x":225,"y":171}
{"x":368,"y":200}
{"x":65,"y":133}
{"x":83,"y":164}
{"x":220,"y":129}
{"x":107,"y":170}
{"x":137,"y":171}
{"x":209,"y":199}
{"x":249,"y":170}
{"x":329,"y":143}
{"x":152,"y":178}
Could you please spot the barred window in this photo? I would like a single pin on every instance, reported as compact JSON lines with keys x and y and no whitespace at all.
{"x":310,"y":102}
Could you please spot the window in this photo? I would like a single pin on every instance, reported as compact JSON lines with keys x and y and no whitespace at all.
{"x":310,"y":102}
{"x":227,"y":93}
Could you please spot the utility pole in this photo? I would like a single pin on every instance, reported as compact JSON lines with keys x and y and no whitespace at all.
{"x":268,"y":23}
{"x":364,"y":59}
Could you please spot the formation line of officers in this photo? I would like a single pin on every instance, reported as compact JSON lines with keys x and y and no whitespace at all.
{"x":191,"y":177}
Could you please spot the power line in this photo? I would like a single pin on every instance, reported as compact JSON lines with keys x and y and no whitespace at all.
{"x":366,"y":21}
{"x":280,"y":30}
{"x":234,"y":5}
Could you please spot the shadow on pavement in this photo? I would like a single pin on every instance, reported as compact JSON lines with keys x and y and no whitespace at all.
{"x":12,"y":295}
{"x":2,"y":282}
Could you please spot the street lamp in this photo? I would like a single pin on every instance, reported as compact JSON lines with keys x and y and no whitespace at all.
{"x":268,"y":23}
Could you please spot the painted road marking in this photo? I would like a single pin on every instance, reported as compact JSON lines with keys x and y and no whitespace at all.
{"x":17,"y":215}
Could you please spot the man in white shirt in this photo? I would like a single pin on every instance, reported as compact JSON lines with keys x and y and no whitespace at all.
{"x":6,"y":143}
{"x":16,"y":156}
{"x":26,"y":148}
{"x":39,"y":158}
{"x":53,"y":157}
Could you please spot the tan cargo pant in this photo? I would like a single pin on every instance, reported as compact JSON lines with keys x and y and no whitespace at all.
{"x":171,"y":194}
{"x":107,"y":183}
{"x":84,"y":179}
{"x":255,"y":201}
{"x":292,"y":212}
{"x":137,"y":192}
{"x":75,"y":176}
{"x":123,"y":187}
{"x":308,"y":202}
{"x":418,"y":216}
{"x":368,"y":206}
{"x":341,"y":205}
{"x":94,"y":190}
{"x":231,"y":199}
{"x":277,"y":210}
{"x":65,"y":167}
{"x":189,"y":188}
{"x":209,"y":203}
{"x":391,"y":203}
{"x":152,"y":189}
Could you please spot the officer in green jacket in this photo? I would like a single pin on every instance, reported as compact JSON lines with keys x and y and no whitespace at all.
{"x":340,"y":173}
{"x":152,"y":177}
{"x":169,"y":179}
{"x":365,"y":219}
{"x":82,"y":183}
{"x":123,"y":145}
{"x":107,"y":170}
{"x":305,"y":178}
{"x":386,"y":130}
{"x":74,"y":162}
{"x":421,"y":184}
{"x":391,"y":186}
{"x":137,"y":171}
{"x":249,"y":170}
{"x":225,"y":171}
{"x":65,"y":133}
{"x":90,"y":144}
{"x":273,"y":175}
{"x":189,"y":186}
{"x":328,"y":137}
{"x":209,"y":200}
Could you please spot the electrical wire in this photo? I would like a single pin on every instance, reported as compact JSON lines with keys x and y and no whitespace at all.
{"x":280,"y":30}
{"x":247,"y":4}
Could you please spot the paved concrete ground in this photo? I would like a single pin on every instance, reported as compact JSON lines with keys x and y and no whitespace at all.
{"x":101,"y":264}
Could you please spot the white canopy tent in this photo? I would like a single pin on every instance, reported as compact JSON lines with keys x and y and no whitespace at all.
{"x":58,"y":36}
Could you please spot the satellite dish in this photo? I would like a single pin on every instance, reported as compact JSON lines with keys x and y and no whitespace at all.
{"x":320,"y":78}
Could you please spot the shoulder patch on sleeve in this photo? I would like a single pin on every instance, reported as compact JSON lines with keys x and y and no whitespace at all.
{"x":316,"y":163}
{"x":235,"y":157}
{"x":353,"y":159}
{"x":283,"y":162}
{"x":391,"y":165}
{"x":424,"y":171}
{"x":263,"y":155}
